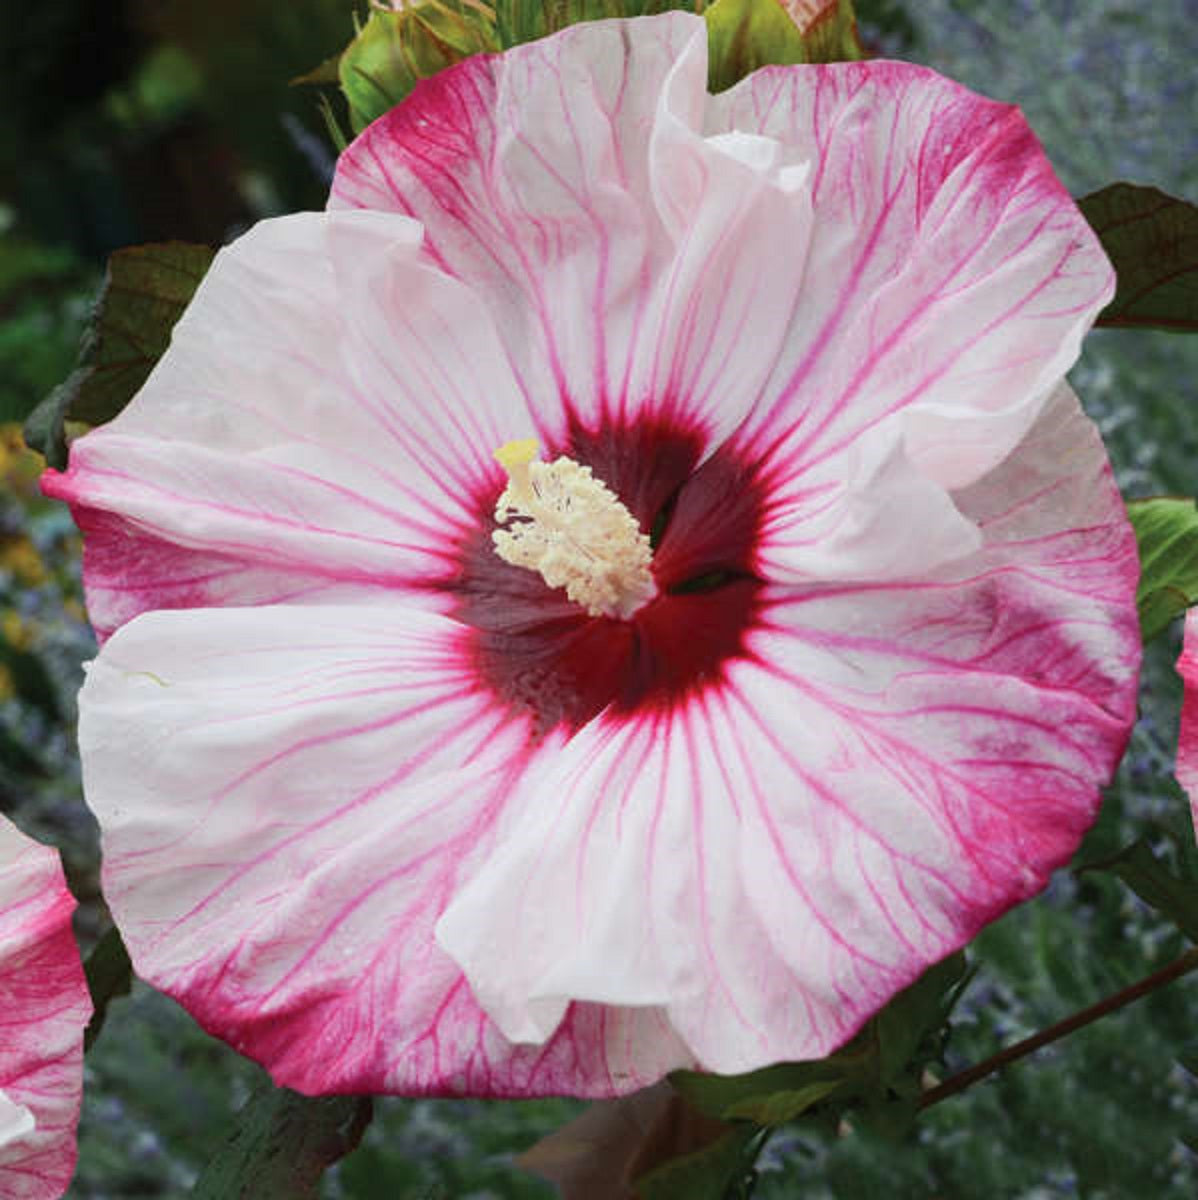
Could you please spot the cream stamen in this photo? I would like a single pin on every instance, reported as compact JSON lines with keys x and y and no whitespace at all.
{"x":576,"y":533}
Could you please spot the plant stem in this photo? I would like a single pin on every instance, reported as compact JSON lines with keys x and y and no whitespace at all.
{"x":958,"y":1083}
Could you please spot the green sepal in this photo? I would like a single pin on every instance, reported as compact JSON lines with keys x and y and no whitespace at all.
{"x":743,"y":35}
{"x":393,"y":51}
{"x":831,"y":36}
{"x":145,"y":290}
{"x":519,"y":21}
{"x":283,"y":1143}
{"x":1167,"y":534}
{"x":1152,"y":240}
{"x":109,"y":974}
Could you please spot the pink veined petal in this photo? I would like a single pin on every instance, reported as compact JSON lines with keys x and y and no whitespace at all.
{"x":872,"y":264}
{"x":320,"y":428}
{"x":44,"y":1007}
{"x":630,"y":260}
{"x":334,"y":776}
{"x":895,"y":766}
{"x":1187,"y":741}
{"x":949,"y":281}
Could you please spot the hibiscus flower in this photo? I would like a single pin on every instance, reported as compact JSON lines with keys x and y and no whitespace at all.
{"x":786,"y":642}
{"x":43,"y":1008}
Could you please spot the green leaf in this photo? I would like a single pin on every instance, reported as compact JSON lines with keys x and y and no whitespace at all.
{"x":393,"y":51}
{"x":704,"y":1175}
{"x":144,"y":293}
{"x":284,"y":1142}
{"x":743,"y":35}
{"x":45,"y":427}
{"x":776,"y":1108}
{"x":916,"y":1013}
{"x":843,"y":1074}
{"x":1152,"y":239}
{"x":1139,"y":868}
{"x":109,"y":975}
{"x":1167,"y":532}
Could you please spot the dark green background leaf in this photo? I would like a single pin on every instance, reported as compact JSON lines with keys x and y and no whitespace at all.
{"x":1155,"y":884}
{"x":109,"y":975}
{"x":284,"y":1142}
{"x":145,"y":292}
{"x":1152,"y":239}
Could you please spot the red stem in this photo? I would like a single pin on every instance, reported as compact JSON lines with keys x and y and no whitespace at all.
{"x":958,"y":1083}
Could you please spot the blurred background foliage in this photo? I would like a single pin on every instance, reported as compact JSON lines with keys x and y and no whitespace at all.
{"x":138,"y":120}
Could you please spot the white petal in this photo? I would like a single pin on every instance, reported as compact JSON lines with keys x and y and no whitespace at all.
{"x":321,"y":426}
{"x":289,"y":798}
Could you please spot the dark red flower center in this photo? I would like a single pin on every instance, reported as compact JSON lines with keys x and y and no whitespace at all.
{"x":543,"y":655}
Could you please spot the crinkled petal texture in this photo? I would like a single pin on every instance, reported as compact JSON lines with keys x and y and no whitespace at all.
{"x":391,"y":815}
{"x":1187,"y":742}
{"x":44,"y":1007}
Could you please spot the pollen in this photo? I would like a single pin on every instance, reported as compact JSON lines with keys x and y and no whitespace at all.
{"x":573,"y":530}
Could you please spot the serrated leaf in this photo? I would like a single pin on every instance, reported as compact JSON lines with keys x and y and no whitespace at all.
{"x":1139,"y":868}
{"x":1152,"y":238}
{"x":283,"y":1144}
{"x":109,"y":975}
{"x":1167,"y":534}
{"x":703,"y":1175}
{"x":393,"y":51}
{"x":743,"y":35}
{"x":145,"y":291}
